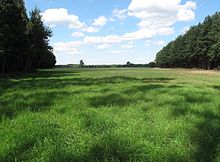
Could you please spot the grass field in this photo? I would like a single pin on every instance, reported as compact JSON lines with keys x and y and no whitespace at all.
{"x":111,"y":115}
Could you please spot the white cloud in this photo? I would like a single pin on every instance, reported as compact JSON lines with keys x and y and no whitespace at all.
{"x":190,"y":5}
{"x":127,"y":46}
{"x":156,"y":19}
{"x":90,"y":29}
{"x":161,"y":14}
{"x":119,"y":14}
{"x":102,"y":40}
{"x":186,"y":15}
{"x":61,"y":16}
{"x":112,"y":39}
{"x":92,"y":40}
{"x":103,"y":46}
{"x":159,"y":43}
{"x":146,"y":33}
{"x":128,"y":37}
{"x":101,"y":21}
{"x":77,"y":34}
{"x":115,"y":52}
{"x":121,"y":52}
{"x":67,"y":47}
{"x":147,"y":43}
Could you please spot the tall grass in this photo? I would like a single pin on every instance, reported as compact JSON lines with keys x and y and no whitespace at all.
{"x":110,"y":115}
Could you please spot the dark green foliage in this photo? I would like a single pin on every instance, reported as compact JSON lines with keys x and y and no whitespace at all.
{"x":22,"y":40}
{"x":38,"y":38}
{"x":199,"y":47}
{"x":152,"y":64}
{"x":81,"y":63}
{"x":13,"y":35}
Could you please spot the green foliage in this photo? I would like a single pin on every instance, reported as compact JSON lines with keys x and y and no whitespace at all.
{"x":110,"y":115}
{"x":14,"y":35}
{"x":81,"y":63}
{"x":23,"y":39}
{"x":39,"y":42}
{"x":199,"y":47}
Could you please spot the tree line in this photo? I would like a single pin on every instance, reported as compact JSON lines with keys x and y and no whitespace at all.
{"x":197,"y":48}
{"x":127,"y":65}
{"x":24,"y":40}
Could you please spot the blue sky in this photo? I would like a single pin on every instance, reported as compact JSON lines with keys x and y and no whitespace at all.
{"x":117,"y":31}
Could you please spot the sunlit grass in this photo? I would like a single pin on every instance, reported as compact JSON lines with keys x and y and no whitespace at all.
{"x":110,"y":115}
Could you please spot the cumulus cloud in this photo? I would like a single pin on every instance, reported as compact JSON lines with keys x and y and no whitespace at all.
{"x":92,"y":40}
{"x":102,"y":40}
{"x":100,"y":21}
{"x":127,"y":46}
{"x":146,"y":33}
{"x":147,"y":43}
{"x":77,"y":34}
{"x":59,"y":16}
{"x":115,"y":52}
{"x":159,"y":43}
{"x":127,"y":37}
{"x":121,"y":52}
{"x":159,"y":14}
{"x":112,"y":39}
{"x":90,"y":29}
{"x":156,"y":18}
{"x":67,"y":47}
{"x":103,"y":46}
{"x":119,"y":14}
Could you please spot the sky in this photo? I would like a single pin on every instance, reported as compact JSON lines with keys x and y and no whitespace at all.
{"x":117,"y":31}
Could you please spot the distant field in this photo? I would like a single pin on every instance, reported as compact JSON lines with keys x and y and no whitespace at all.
{"x":111,"y":115}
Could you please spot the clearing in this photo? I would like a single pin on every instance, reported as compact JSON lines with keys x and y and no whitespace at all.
{"x":110,"y":115}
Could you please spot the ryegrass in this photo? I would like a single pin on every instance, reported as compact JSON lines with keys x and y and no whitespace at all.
{"x":110,"y":115}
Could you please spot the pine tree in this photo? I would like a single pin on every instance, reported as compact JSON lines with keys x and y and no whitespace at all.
{"x":39,"y":35}
{"x":13,"y":35}
{"x":199,"y":47}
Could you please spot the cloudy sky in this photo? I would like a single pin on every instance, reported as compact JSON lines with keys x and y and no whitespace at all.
{"x":117,"y":31}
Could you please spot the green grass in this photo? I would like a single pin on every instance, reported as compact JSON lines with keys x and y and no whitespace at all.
{"x":110,"y":115}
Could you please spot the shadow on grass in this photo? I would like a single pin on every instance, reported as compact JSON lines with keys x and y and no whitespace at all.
{"x":114,"y":149}
{"x":207,"y":133}
{"x":208,"y":129}
{"x":26,"y":138}
{"x":207,"y":136}
{"x":39,"y":79}
{"x":16,"y":103}
{"x":113,"y":99}
{"x":41,"y":74}
{"x":130,"y":95}
{"x":198,"y":98}
{"x":149,"y":87}
{"x":217,"y":87}
{"x":54,"y":79}
{"x":109,"y":148}
{"x":156,"y":80}
{"x":12,"y":105}
{"x":51,"y":83}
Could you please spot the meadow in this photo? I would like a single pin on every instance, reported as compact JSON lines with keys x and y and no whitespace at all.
{"x":110,"y":115}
